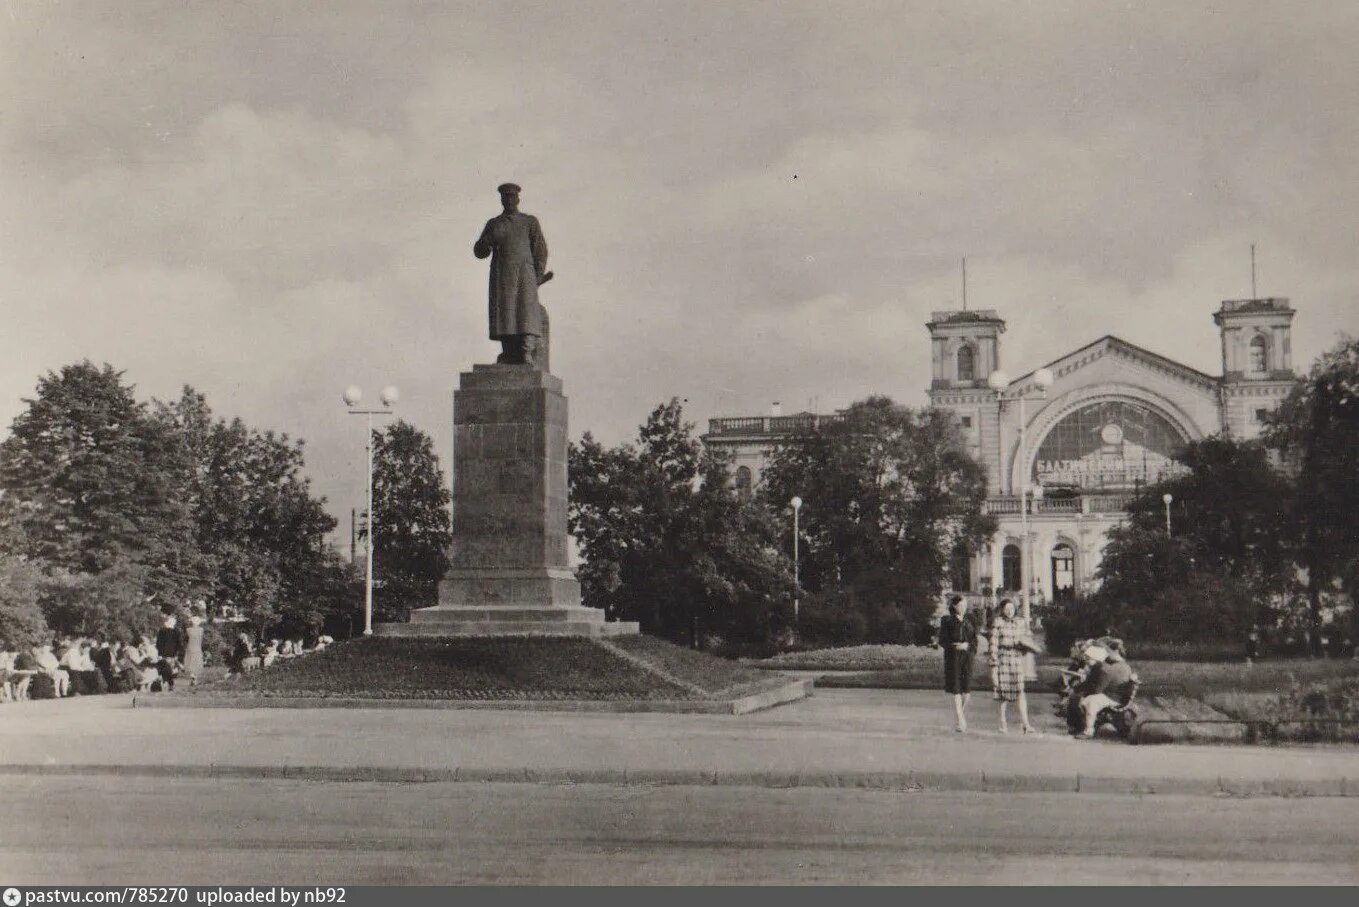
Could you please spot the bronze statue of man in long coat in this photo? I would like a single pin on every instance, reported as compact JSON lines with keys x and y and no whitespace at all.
{"x":518,"y":252}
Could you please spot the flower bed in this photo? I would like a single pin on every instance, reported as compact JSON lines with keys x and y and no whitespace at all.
{"x":1203,"y":679}
{"x":931,"y":677}
{"x":856,"y":658}
{"x":1184,"y":719}
{"x":1316,"y":712}
{"x":472,"y":668}
{"x":498,"y":669}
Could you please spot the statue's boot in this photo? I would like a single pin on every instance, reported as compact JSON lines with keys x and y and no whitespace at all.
{"x":529,"y":355}
{"x":511,"y":351}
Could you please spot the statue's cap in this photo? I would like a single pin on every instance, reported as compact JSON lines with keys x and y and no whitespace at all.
{"x":507,"y":187}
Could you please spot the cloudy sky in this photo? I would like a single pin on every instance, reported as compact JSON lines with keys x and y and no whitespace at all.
{"x":744,"y":202}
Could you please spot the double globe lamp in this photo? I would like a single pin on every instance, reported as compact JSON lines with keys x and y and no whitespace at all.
{"x":1000,"y":383}
{"x":353,"y":396}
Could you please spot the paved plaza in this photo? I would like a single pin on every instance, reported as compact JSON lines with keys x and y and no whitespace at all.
{"x":836,"y":738}
{"x":214,"y":831}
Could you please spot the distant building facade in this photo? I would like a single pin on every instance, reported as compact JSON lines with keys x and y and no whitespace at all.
{"x":1111,"y":423}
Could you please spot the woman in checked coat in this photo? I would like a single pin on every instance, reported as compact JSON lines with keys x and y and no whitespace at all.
{"x":1010,"y":642}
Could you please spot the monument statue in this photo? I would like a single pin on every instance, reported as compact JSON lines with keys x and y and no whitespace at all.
{"x":514,"y":241}
{"x":510,"y":570}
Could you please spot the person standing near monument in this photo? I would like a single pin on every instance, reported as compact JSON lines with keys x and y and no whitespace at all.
{"x":514,"y":242}
{"x":1010,"y":641}
{"x":958,"y":638}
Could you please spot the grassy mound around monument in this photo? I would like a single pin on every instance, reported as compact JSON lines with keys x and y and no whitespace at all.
{"x":494,"y":669}
{"x":712,"y":675}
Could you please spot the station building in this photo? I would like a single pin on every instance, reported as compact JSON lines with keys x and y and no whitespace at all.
{"x":1076,"y":451}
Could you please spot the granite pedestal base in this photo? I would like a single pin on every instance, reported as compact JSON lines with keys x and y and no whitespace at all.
{"x":510,"y":572}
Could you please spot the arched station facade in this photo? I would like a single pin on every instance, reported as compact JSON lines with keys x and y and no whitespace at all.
{"x":1111,"y":423}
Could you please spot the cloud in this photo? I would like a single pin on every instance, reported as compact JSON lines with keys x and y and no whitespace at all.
{"x":742,"y":204}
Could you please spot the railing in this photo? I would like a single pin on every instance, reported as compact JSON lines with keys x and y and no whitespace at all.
{"x":791,"y":423}
{"x":734,"y":426}
{"x":1085,"y":504}
{"x":1109,"y":503}
{"x":768,"y":425}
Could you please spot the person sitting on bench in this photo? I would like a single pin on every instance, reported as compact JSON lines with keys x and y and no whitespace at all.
{"x":1106,"y":686}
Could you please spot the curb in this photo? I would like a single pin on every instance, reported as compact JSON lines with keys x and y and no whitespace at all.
{"x":912,"y":782}
{"x":753,"y":702}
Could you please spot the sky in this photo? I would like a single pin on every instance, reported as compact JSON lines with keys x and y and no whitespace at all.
{"x":743,"y":202}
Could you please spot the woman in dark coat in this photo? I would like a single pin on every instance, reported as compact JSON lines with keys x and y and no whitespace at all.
{"x":958,"y":639}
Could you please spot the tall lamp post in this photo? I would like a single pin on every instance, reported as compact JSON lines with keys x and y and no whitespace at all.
{"x":352,"y":396}
{"x":1000,"y":383}
{"x":1166,"y":499}
{"x":796,"y":504}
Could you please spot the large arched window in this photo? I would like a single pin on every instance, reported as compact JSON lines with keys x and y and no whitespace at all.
{"x":1110,"y":444}
{"x":967,"y":363}
{"x":743,"y":482}
{"x":1011,"y":579}
{"x":1259,"y":354}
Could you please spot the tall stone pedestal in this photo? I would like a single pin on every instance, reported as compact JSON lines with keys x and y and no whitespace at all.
{"x":510,"y":572}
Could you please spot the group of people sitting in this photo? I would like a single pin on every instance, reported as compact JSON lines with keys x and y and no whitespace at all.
{"x":85,"y":666}
{"x":246,"y":655}
{"x":1098,"y":678}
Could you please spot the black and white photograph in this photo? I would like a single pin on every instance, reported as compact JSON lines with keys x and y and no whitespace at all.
{"x":675,"y":443}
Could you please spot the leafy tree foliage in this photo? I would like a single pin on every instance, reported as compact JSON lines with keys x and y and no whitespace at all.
{"x":889,"y":495}
{"x":665,"y":542}
{"x":88,"y":482}
{"x":127,"y":509}
{"x":1226,"y":565}
{"x":109,"y":603}
{"x":410,"y":504}
{"x":21,"y":619}
{"x":255,"y":520}
{"x":1317,"y":431}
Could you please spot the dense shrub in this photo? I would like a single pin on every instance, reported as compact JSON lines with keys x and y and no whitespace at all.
{"x":218,"y":640}
{"x":21,"y":620}
{"x":1206,"y":615}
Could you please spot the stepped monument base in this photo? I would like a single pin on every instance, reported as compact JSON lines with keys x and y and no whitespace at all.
{"x":510,"y":573}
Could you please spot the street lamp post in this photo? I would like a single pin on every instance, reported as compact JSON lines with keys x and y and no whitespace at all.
{"x":1000,"y":383}
{"x":796,"y":504}
{"x":352,"y":396}
{"x":1166,"y":499}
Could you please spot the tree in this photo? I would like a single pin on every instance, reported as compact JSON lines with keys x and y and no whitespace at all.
{"x":89,"y":485}
{"x":1316,"y":429}
{"x":1227,"y":563}
{"x":410,"y":505}
{"x":889,"y":497}
{"x":101,"y":492}
{"x":665,"y":542}
{"x":254,"y":518}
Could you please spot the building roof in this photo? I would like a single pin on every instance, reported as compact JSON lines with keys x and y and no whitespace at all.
{"x":1133,"y":350}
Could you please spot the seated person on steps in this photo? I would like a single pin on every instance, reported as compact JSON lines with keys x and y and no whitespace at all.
{"x":1105,"y":686}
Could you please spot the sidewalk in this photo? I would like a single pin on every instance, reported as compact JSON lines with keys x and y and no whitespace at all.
{"x":836,"y":738}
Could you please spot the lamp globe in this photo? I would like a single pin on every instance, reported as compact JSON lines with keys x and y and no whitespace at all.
{"x":1043,"y":378}
{"x":352,"y":395}
{"x":390,"y":395}
{"x":998,"y":380}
